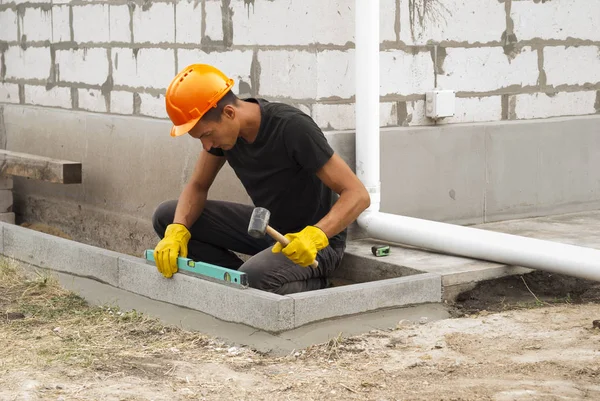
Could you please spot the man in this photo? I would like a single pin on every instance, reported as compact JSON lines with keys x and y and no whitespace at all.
{"x":285,"y":164}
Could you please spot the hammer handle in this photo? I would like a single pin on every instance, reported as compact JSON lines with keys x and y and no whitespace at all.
{"x":284,"y":241}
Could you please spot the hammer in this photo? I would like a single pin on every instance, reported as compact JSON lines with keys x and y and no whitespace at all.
{"x":259,"y":225}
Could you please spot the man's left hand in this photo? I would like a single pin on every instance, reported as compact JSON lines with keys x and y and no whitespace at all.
{"x":303,"y":246}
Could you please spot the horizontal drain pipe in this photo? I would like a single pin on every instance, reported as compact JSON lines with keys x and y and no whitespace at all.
{"x":482,"y":244}
{"x":447,"y":238}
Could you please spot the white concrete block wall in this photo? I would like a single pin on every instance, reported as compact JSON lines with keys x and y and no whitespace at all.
{"x":541,"y":105}
{"x":9,"y":93}
{"x":92,"y":100}
{"x":8,"y":25}
{"x":572,"y":65}
{"x":61,"y":28}
{"x":467,"y":110}
{"x":557,"y":20}
{"x":121,"y":102}
{"x":403,"y":73}
{"x":143,"y":68}
{"x":487,"y":69}
{"x":31,"y":63}
{"x":87,"y":66}
{"x":155,"y":24}
{"x":90,"y":23}
{"x":188,"y":15}
{"x":152,"y":106}
{"x":341,"y":116}
{"x":36,"y":24}
{"x":451,"y":20}
{"x":93,"y":54}
{"x":288,"y":74}
{"x":54,"y":97}
{"x":119,"y":23}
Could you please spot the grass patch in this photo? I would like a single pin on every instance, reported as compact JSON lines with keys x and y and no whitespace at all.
{"x":42,"y":323}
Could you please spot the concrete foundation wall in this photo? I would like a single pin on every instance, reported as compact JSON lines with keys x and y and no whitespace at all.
{"x":461,"y":173}
{"x":506,"y":60}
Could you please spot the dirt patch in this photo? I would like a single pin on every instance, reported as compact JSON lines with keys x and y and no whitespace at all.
{"x":46,"y":229}
{"x":535,"y":289}
{"x":60,"y":348}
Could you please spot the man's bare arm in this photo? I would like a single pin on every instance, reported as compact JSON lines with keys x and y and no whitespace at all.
{"x":353,"y":200}
{"x":193,"y":197}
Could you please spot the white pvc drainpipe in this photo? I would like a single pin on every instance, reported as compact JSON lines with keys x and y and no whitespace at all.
{"x":448,"y":238}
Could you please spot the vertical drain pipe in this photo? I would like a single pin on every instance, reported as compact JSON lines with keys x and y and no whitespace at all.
{"x":442,"y":237}
{"x":367,"y":97}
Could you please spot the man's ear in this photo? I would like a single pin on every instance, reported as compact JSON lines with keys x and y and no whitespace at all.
{"x":229,"y":111}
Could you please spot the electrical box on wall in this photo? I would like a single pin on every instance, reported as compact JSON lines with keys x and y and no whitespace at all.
{"x":439,"y":103}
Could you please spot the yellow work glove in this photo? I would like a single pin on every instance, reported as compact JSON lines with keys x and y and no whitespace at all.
{"x":174,"y":244}
{"x":303,"y":246}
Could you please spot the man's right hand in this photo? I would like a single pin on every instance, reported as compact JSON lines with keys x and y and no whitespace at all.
{"x":173,"y":245}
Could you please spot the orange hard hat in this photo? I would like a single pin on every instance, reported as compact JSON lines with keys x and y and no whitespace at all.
{"x":193,"y":91}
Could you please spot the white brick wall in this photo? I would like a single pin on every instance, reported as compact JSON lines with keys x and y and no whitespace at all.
{"x":61,"y":31}
{"x":387,"y":20}
{"x":540,"y":105}
{"x":404,"y":73}
{"x":235,"y":64}
{"x":119,"y":19}
{"x":452,"y":20}
{"x":152,"y":68}
{"x":32,"y":63}
{"x":88,"y":66}
{"x":572,"y":65}
{"x":476,"y":109}
{"x":288,"y":74}
{"x":336,"y":74}
{"x":9,"y":93}
{"x":291,"y":38}
{"x":487,"y":69}
{"x":92,"y":100}
{"x":37,"y":24}
{"x":467,"y":110}
{"x":153,"y":106}
{"x":188,"y":28}
{"x":214,"y":27}
{"x":343,"y":116}
{"x":55,"y":97}
{"x":29,"y":1}
{"x":556,"y":20}
{"x":91,"y":23}
{"x":415,"y":113}
{"x":8,"y":25}
{"x":269,"y":22}
{"x":121,"y":102}
{"x":154,"y":25}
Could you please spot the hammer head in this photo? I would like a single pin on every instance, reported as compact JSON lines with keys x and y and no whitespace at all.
{"x":258,"y":222}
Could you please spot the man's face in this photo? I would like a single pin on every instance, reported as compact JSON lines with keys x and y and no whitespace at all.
{"x":218,"y":134}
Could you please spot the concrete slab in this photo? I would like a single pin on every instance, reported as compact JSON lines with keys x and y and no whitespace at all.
{"x":384,"y":287}
{"x":357,"y":298}
{"x":238,"y":334}
{"x":459,"y":274}
{"x":260,"y":309}
{"x":408,"y":276}
{"x":60,"y":254}
{"x":445,"y":164}
{"x":553,"y":167}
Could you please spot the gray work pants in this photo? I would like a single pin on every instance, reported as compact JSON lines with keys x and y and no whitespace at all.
{"x":223,"y":227}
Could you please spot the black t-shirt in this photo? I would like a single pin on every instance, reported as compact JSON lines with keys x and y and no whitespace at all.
{"x":278,"y":170}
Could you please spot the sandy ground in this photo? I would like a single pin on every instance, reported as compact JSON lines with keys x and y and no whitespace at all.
{"x":547,"y":353}
{"x":53,"y":346}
